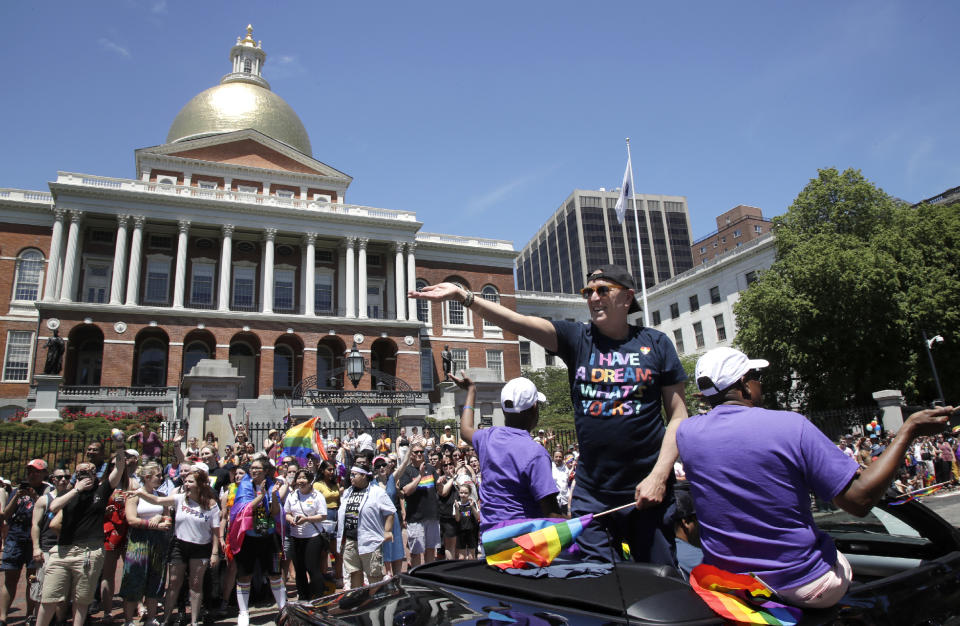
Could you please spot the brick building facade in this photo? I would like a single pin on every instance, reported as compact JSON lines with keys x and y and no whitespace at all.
{"x":233,"y":243}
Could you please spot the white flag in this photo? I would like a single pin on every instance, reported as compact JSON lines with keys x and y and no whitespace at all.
{"x":626,"y":192}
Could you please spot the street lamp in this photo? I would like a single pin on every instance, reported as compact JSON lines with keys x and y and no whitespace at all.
{"x":928,"y":343}
{"x":355,"y":365}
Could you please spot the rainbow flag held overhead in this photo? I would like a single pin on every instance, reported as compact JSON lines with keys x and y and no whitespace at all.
{"x":303,"y":440}
{"x":534,"y":542}
{"x":740,"y":597}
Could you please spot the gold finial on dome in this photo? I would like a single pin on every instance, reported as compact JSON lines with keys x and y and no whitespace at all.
{"x":249,"y":39}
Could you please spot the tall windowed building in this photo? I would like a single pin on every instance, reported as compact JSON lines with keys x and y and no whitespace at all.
{"x":584,"y":233}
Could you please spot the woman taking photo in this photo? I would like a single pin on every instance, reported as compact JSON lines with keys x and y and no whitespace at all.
{"x":393,"y":551}
{"x":331,"y":490}
{"x":146,"y":559}
{"x":306,"y":509}
{"x":115,"y":531}
{"x":196,"y":542}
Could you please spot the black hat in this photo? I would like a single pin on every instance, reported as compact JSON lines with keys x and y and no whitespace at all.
{"x":616,"y":274}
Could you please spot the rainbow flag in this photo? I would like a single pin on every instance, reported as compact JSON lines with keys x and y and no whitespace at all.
{"x":740,"y":597}
{"x":534,"y":542}
{"x":916,"y":494}
{"x":304,"y":439}
{"x":426,"y":482}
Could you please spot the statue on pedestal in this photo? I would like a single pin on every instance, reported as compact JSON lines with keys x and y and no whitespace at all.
{"x":54,"y":361}
{"x":447,"y":358}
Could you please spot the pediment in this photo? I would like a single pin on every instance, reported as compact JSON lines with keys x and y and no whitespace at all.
{"x":247,"y":148}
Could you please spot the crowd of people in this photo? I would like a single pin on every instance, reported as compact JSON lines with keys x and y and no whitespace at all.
{"x":197,"y":538}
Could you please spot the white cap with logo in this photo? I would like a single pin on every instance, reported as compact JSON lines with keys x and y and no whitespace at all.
{"x":721,"y":368}
{"x":520,"y":394}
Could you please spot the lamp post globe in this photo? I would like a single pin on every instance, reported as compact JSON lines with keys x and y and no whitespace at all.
{"x":355,"y":365}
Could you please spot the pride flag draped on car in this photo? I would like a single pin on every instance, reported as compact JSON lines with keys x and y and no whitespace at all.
{"x":534,"y":542}
{"x":303,"y":440}
{"x":740,"y":597}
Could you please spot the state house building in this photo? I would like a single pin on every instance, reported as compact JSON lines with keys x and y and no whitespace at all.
{"x":233,"y":243}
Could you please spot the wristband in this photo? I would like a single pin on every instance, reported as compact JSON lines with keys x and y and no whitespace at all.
{"x":466,"y":406}
{"x":468,"y":299}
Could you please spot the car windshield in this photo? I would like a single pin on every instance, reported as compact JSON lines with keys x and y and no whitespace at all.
{"x":877,"y":521}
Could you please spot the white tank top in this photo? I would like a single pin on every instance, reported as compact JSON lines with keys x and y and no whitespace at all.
{"x":148,"y":511}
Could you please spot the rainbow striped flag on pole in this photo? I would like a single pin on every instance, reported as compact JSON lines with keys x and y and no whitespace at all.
{"x":302,"y":440}
{"x":533,"y":542}
{"x":740,"y":597}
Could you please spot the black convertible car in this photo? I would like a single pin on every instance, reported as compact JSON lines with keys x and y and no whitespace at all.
{"x":906,"y":562}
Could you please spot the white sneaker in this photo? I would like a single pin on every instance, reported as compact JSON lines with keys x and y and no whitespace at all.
{"x":243,"y":619}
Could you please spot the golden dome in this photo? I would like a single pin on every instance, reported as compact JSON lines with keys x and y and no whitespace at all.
{"x":237,"y":106}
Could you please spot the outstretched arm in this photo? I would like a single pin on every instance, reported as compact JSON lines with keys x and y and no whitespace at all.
{"x":531,"y":327}
{"x":467,"y":428}
{"x":869,"y":485}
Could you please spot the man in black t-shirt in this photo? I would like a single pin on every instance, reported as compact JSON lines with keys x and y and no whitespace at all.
{"x":621,"y":376}
{"x":418,"y":481}
{"x":74,"y":568}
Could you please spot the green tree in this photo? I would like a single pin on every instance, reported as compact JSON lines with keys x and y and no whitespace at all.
{"x":857,"y":275}
{"x":555,"y":385}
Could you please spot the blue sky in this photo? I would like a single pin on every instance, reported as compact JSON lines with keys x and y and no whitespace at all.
{"x":482,"y":117}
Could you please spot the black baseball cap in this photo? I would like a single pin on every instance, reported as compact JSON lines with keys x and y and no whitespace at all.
{"x":616,"y":274}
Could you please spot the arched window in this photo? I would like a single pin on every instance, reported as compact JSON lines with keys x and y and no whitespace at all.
{"x":456,"y":314}
{"x":491,"y":294}
{"x":29,"y":276}
{"x":325,"y":368}
{"x":90,"y":362}
{"x":152,"y":363}
{"x":192,"y":355}
{"x":282,"y":368}
{"x":423,"y":306}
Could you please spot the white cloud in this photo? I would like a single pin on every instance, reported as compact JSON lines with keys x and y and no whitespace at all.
{"x":111,"y":46}
{"x":159,"y":7}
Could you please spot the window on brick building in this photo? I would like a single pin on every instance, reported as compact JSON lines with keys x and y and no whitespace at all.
{"x":490,"y":294}
{"x":736,"y":234}
{"x":375,"y":309}
{"x":201,"y":283}
{"x":283,"y":371}
{"x":96,"y":281}
{"x":426,"y":369}
{"x":157,"y":289}
{"x":423,"y":306}
{"x":456,"y":314}
{"x":29,"y":276}
{"x":459,"y":359}
{"x":323,"y":290}
{"x":244,"y":281}
{"x":495,"y":362}
{"x":152,"y":363}
{"x":758,"y":229}
{"x":16,"y":362}
{"x":283,"y":290}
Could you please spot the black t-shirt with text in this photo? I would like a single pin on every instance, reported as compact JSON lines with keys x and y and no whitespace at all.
{"x":83,"y":516}
{"x":422,"y":503}
{"x":351,"y":513}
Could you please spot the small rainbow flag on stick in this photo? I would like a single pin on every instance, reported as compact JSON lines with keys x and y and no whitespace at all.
{"x":534,"y":542}
{"x":740,"y":597}
{"x":302,"y":440}
{"x":925,"y":491}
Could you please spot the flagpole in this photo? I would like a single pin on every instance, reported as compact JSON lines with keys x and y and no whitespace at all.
{"x":614,"y":510}
{"x":636,"y":225}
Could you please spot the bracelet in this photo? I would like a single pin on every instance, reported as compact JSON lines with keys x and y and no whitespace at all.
{"x":465,"y":407}
{"x":468,"y":299}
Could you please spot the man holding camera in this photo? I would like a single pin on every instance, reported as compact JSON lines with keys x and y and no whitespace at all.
{"x":76,"y":561}
{"x":18,"y":547}
{"x":752,"y":490}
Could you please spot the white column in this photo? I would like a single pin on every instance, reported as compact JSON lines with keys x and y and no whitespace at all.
{"x":270,"y":234}
{"x":362,"y":276}
{"x":180,"y":279}
{"x":401,"y":298}
{"x":309,"y":269}
{"x":70,"y":258}
{"x":350,"y":297}
{"x":136,"y":250}
{"x":411,"y":281}
{"x":119,"y":261}
{"x":223,"y":299}
{"x":53,"y":266}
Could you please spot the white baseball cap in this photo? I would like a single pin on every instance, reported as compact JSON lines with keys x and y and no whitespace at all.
{"x":721,"y":368}
{"x":520,"y":394}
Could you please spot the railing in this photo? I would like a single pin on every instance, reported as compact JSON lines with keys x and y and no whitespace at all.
{"x":95,"y":391}
{"x":498,"y":244}
{"x":730,"y":225}
{"x":837,"y":422}
{"x":26,"y":195}
{"x":222,"y":195}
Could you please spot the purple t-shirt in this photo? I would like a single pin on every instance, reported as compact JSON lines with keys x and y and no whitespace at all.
{"x":750,"y":473}
{"x":151,"y":446}
{"x":516,"y":472}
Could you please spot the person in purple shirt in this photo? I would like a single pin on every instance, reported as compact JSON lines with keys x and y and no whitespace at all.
{"x":517,"y":474}
{"x":149,"y":440}
{"x":750,"y":472}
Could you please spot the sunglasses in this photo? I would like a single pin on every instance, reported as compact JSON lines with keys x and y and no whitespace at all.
{"x":602,"y":291}
{"x":63,"y":477}
{"x":416,"y":452}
